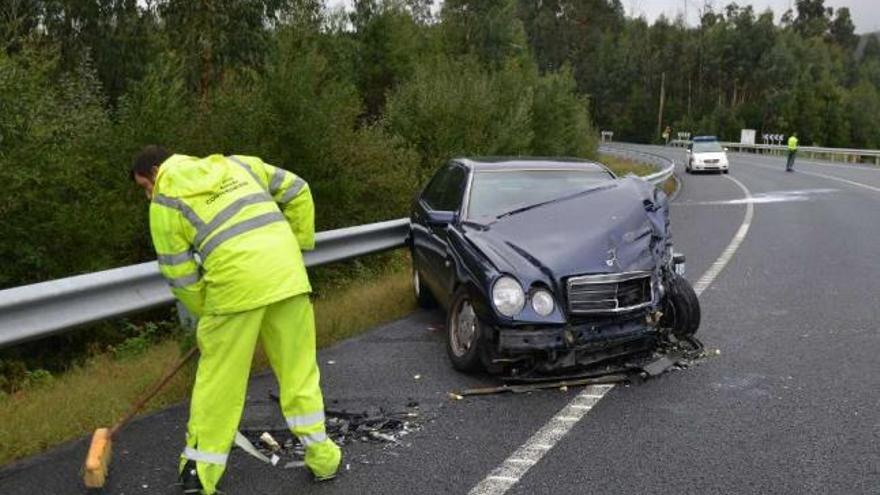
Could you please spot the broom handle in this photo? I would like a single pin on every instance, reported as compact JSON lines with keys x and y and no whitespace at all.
{"x":156,"y":388}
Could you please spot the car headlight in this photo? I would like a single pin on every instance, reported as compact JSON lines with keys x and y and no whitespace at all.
{"x":542,"y":302}
{"x":508,"y":296}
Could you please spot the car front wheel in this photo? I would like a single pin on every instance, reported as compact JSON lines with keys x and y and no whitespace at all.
{"x":682,"y":309}
{"x":464,"y":333}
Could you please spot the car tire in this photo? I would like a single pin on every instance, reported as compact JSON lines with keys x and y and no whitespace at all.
{"x":464,"y":333}
{"x":424,"y":298}
{"x":727,"y":171}
{"x":682,"y":309}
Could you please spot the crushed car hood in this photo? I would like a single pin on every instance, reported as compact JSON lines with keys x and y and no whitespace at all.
{"x":619,"y":228}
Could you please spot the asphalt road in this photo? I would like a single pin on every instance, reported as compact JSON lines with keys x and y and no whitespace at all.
{"x":789,"y":406}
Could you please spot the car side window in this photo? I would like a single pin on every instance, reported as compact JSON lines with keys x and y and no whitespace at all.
{"x":445,"y":191}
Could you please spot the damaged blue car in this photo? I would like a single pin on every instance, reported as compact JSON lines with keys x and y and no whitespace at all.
{"x":547,"y":265}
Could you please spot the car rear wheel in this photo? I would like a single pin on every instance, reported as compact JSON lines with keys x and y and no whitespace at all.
{"x":464,"y":333}
{"x":682,"y":309}
{"x":424,"y":298}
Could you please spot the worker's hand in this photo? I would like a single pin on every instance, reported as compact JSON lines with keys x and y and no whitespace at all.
{"x":187,"y":320}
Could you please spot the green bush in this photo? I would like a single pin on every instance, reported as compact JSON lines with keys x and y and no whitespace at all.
{"x":64,"y":203}
{"x":561,"y":119}
{"x":455,"y":107}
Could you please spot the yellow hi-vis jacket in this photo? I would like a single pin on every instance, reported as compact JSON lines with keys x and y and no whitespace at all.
{"x":228,"y":232}
{"x":792,"y":143}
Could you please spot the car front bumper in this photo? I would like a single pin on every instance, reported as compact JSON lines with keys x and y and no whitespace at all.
{"x":710,"y":166}
{"x":560,"y":348}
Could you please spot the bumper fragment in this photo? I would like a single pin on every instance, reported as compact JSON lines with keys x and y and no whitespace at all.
{"x":581,"y":337}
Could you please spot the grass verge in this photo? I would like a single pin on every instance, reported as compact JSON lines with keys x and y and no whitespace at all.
{"x":99,"y":392}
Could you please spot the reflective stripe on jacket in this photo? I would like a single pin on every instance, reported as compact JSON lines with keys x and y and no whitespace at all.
{"x":792,"y":143}
{"x":229,"y":232}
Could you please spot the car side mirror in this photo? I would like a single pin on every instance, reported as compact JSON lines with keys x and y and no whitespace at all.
{"x":689,"y":152}
{"x":440,"y":218}
{"x":726,"y":149}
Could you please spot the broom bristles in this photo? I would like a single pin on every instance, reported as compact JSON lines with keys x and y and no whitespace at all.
{"x":98,"y":459}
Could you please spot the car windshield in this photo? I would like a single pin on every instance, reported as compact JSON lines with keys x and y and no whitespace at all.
{"x":707,"y":147}
{"x":495,"y":192}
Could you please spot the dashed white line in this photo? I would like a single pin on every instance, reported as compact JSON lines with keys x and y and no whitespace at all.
{"x":513,"y":468}
{"x":505,"y":476}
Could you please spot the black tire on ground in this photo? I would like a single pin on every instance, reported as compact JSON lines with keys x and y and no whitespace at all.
{"x":682,"y":308}
{"x":424,"y":298}
{"x":727,"y":171}
{"x":464,"y":334}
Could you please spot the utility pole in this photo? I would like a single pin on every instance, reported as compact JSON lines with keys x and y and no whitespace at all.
{"x":662,"y":98}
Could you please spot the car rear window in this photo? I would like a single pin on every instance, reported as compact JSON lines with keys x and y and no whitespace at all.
{"x":499,"y":191}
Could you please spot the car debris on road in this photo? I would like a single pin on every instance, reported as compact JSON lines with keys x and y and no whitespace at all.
{"x":676,"y":354}
{"x":373,"y":425}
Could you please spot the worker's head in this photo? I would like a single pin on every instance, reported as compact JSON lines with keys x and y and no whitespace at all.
{"x":145,"y":166}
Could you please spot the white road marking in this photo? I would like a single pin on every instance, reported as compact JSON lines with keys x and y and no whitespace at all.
{"x":765,"y":198}
{"x":838,"y":179}
{"x":502,"y":478}
{"x":816,"y":174}
{"x":513,"y":468}
{"x":831,"y":164}
{"x":722,"y":261}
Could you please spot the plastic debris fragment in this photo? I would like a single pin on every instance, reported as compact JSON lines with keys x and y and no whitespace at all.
{"x":269,"y":441}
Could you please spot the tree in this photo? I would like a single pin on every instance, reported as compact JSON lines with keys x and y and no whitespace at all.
{"x":390,"y":43}
{"x":813,"y":18}
{"x":489,"y":29}
{"x":842,"y":30}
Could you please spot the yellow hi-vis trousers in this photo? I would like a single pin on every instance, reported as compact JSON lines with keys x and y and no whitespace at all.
{"x":227,"y":342}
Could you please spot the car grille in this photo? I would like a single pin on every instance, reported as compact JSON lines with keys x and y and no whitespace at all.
{"x":609,"y":293}
{"x":715,"y":160}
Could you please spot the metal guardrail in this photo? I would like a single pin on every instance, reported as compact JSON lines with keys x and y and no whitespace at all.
{"x":666,"y":166}
{"x":39,"y":310}
{"x":833,"y":154}
{"x":853,"y":155}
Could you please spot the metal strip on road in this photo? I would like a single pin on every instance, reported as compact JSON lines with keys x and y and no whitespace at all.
{"x":508,"y":474}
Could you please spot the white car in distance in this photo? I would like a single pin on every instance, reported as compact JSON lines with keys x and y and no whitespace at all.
{"x":705,"y":153}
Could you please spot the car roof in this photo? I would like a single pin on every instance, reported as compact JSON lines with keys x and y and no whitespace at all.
{"x":519,"y":162}
{"x":704,"y":138}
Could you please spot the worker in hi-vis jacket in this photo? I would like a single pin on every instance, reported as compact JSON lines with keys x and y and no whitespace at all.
{"x":229,"y":231}
{"x":792,"y":151}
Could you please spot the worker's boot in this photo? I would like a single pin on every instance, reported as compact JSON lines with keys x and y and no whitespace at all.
{"x":189,"y":479}
{"x":323,"y":459}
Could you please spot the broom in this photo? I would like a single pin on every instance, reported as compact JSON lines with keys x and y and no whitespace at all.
{"x":98,"y":458}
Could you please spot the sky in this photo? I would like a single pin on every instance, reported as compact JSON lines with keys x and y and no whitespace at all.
{"x":865,"y":13}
